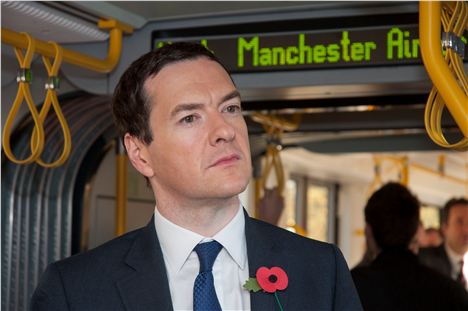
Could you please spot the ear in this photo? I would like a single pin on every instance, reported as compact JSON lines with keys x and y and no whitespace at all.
{"x":138,"y":154}
{"x":443,"y":229}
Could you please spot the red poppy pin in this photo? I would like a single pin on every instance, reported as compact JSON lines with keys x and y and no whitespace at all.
{"x":270,"y":280}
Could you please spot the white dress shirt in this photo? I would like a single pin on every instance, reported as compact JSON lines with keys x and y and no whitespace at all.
{"x":230,"y":269}
{"x":455,"y":261}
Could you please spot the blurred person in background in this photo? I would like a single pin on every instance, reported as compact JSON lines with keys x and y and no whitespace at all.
{"x":433,"y":237}
{"x":396,"y":280}
{"x":419,"y":239}
{"x":448,"y":258}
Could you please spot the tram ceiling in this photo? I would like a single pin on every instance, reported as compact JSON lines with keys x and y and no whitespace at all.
{"x":373,"y":141}
{"x":346,"y":80}
{"x":358,"y":128}
{"x":333,"y":119}
{"x":384,"y":142}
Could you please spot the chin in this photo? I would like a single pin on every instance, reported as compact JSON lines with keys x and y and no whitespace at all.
{"x":227,"y":190}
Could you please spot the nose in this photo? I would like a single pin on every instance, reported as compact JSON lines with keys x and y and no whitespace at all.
{"x":221,"y":131}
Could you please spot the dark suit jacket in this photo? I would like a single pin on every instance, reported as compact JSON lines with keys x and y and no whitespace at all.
{"x":397,"y":281}
{"x":128,"y":273}
{"x":436,"y":258}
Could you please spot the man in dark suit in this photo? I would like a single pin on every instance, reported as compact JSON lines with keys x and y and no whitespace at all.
{"x":180,"y":117}
{"x":395,"y":280}
{"x":448,"y":257}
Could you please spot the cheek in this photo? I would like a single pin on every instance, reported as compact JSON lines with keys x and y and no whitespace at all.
{"x":246,"y":144}
{"x":241,"y":127}
{"x":179,"y":139}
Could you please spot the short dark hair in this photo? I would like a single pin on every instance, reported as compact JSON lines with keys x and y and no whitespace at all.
{"x":393,"y":214}
{"x":449,"y":205}
{"x":131,"y":106}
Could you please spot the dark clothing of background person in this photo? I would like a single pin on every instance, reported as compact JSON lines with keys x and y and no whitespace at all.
{"x":397,"y":281}
{"x":436,"y":258}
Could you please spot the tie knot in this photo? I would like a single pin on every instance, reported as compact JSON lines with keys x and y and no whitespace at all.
{"x":207,"y":253}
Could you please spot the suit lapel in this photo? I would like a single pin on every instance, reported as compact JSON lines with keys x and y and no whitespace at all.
{"x":264,"y":251}
{"x":447,"y":266}
{"x":145,"y":286}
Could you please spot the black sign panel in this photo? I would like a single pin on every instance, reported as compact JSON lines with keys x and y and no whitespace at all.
{"x":388,"y":45}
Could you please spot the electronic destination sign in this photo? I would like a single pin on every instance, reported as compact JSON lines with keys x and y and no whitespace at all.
{"x":376,"y":46}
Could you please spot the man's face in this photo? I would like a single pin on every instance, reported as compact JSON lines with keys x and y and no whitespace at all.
{"x":456,"y":229}
{"x":200,"y":148}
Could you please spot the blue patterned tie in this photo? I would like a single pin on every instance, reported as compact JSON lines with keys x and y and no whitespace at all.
{"x":204,"y":294}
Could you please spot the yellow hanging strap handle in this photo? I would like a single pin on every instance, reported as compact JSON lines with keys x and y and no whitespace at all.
{"x":24,"y":79}
{"x":454,"y":19}
{"x":273,"y":159}
{"x":274,"y":127}
{"x":51,"y":99}
{"x":450,"y":82}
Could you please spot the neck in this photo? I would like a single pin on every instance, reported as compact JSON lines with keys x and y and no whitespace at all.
{"x":205,"y":217}
{"x":454,"y":250}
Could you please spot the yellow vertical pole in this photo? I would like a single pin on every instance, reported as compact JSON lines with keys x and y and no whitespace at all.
{"x":258,"y":191}
{"x":404,"y":171}
{"x":121,"y":189}
{"x":467,"y":180}
{"x":441,"y":165}
{"x":257,"y":175}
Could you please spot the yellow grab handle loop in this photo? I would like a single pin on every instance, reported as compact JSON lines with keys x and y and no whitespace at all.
{"x":449,"y":92}
{"x":25,"y":61}
{"x":433,"y":123}
{"x":51,"y":99}
{"x":274,"y":127}
{"x":24,"y":93}
{"x":273,"y":160}
{"x":53,"y":70}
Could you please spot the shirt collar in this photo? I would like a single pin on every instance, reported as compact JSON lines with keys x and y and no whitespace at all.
{"x":453,"y":257}
{"x":232,"y":237}
{"x":177,"y":242}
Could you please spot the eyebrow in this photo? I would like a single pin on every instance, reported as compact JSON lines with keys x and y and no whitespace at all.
{"x":231,"y":95}
{"x":185,"y":107}
{"x":194,"y":106}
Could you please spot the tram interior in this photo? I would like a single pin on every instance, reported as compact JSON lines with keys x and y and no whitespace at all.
{"x":359,"y":127}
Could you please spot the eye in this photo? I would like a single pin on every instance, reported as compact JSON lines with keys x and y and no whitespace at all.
{"x":188,"y":119}
{"x":233,"y":108}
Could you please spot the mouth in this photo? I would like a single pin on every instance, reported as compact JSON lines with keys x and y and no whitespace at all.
{"x":227,"y":160}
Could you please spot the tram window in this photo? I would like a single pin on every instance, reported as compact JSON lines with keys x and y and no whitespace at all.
{"x":310,"y":204}
{"x":317,"y":212}
{"x":430,"y":216}
{"x":290,"y":196}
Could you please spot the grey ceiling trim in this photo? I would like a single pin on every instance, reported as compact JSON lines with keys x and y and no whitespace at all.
{"x":108,"y":10}
{"x":44,"y":22}
{"x":308,"y":10}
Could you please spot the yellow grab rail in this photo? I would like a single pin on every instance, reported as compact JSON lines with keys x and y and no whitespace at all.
{"x":405,"y":166}
{"x":92,"y":63}
{"x":438,"y":70}
{"x":24,"y":93}
{"x":50,"y":49}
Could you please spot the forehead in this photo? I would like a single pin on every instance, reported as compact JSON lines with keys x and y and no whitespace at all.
{"x":198,"y":70}
{"x":188,"y":80}
{"x":459,"y":210}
